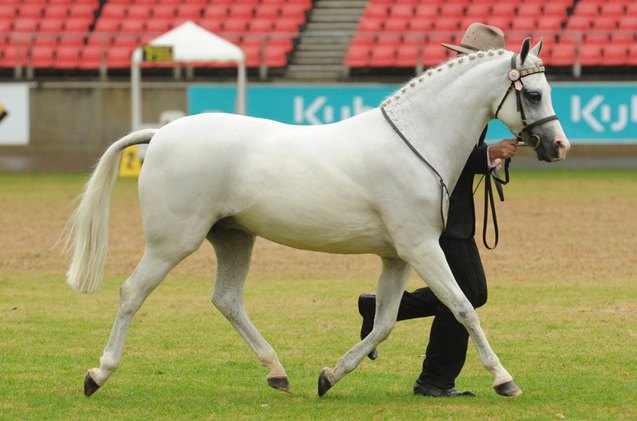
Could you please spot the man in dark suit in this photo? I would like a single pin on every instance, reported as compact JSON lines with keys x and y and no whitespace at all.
{"x":448,"y":339}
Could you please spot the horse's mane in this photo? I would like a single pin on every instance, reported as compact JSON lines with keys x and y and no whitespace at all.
{"x":448,"y":65}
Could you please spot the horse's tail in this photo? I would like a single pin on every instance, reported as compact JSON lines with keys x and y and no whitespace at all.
{"x":87,"y":230}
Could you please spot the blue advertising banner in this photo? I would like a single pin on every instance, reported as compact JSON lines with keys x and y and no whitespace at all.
{"x":603,"y":113}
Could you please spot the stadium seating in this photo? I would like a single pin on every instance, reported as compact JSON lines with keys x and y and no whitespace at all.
{"x":116,"y":27}
{"x":89,"y":35}
{"x":593,"y":32}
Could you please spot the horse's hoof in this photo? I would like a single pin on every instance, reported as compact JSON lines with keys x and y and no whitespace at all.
{"x":508,"y":389}
{"x":90,"y":386}
{"x":280,"y":383}
{"x":323,"y":384}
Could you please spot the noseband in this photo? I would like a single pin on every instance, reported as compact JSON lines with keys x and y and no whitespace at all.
{"x":515,"y":76}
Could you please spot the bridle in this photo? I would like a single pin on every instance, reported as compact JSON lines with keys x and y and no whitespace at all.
{"x":515,"y":76}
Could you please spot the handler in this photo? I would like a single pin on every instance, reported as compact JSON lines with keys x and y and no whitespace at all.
{"x":448,"y":339}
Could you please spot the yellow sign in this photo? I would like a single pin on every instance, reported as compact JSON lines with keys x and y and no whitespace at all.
{"x":157,"y":53}
{"x":130,"y":164}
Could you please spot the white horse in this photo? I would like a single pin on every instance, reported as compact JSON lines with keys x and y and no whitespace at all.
{"x":374,"y":183}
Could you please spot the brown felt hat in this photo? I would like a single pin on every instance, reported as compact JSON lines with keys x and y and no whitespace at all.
{"x":479,"y":37}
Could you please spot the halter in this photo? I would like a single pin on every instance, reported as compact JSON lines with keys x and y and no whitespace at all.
{"x":515,"y":76}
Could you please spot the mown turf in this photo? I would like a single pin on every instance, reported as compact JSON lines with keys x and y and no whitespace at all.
{"x":561,"y":315}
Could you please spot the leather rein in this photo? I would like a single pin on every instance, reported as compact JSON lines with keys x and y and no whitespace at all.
{"x":524,"y":136}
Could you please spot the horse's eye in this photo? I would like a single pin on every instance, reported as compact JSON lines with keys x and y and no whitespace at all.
{"x":533,"y":96}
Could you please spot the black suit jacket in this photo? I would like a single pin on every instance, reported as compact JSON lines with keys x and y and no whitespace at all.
{"x":461,"y":220}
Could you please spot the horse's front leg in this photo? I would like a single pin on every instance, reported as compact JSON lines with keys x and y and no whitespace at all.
{"x":429,"y":261}
{"x":391,"y":284}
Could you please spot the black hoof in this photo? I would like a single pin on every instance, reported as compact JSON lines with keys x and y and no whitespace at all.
{"x":280,"y":383}
{"x":508,"y":389}
{"x":373,"y":355}
{"x":323,"y":384}
{"x":90,"y":386}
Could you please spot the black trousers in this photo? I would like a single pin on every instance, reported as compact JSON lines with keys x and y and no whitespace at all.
{"x":448,"y":339}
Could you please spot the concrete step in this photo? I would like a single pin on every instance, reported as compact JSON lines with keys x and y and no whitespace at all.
{"x":301,"y":54}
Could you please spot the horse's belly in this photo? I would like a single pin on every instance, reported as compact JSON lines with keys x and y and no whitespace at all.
{"x":330,"y":238}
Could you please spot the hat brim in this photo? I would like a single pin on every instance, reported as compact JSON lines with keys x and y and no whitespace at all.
{"x":458,"y":48}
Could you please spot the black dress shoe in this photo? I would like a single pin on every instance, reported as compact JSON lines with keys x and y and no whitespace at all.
{"x":436,"y":392}
{"x":367,"y":309}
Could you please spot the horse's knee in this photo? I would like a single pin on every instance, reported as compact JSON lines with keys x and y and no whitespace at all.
{"x":466,"y":315}
{"x":223,"y":302}
{"x":383,"y":330}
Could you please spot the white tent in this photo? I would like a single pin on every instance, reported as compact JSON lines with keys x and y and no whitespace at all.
{"x":190,"y":43}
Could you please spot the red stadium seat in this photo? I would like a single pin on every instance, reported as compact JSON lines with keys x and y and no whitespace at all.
{"x":478,"y":12}
{"x":8,"y":11}
{"x":31,"y":11}
{"x":91,"y":58}
{"x":370,"y":25}
{"x":525,"y":24}
{"x":434,"y":55}
{"x":158,"y":26}
{"x":579,"y":23}
{"x":628,"y":22}
{"x":25,"y":25}
{"x":189,"y":11}
{"x":452,"y":10}
{"x":558,"y":10}
{"x":275,"y":56}
{"x":396,"y":24}
{"x":261,"y":25}
{"x":590,"y":55}
{"x":550,"y":23}
{"x":596,"y":38}
{"x":616,"y":9}
{"x":447,"y":24}
{"x":357,"y":57}
{"x":42,"y":56}
{"x":562,"y":55}
{"x":587,"y":9}
{"x":615,"y":55}
{"x":402,"y":10}
{"x":632,"y":55}
{"x":507,"y":10}
{"x":376,"y":10}
{"x":118,"y":57}
{"x":605,"y":23}
{"x":67,"y":57}
{"x":407,"y":56}
{"x":83,"y":10}
{"x":113,"y":10}
{"x":383,"y":56}
{"x":77,"y":25}
{"x":421,"y":25}
{"x":426,"y":11}
{"x":52,"y":25}
{"x":533,"y":10}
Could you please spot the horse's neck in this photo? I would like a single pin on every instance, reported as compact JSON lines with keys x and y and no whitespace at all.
{"x":443,"y":112}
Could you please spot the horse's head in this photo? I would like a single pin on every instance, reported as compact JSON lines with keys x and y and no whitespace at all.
{"x":526,"y":106}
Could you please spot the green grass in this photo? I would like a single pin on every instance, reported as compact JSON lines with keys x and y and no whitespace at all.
{"x":567,"y":334}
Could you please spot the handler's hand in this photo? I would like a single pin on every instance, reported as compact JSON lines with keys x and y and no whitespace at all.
{"x":504,"y":149}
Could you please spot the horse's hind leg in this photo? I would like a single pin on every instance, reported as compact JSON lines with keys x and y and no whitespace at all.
{"x":149,"y":273}
{"x":234,"y":251}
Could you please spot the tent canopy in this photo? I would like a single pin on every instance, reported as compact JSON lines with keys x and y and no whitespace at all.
{"x":190,"y":43}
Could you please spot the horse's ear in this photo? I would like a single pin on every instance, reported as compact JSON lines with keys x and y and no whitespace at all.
{"x":524,"y":51}
{"x":537,"y":48}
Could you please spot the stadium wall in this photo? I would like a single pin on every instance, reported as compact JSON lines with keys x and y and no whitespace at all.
{"x":72,"y":123}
